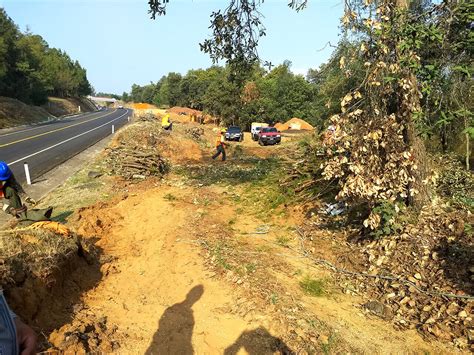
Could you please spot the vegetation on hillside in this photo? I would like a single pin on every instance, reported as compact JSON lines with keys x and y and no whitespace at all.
{"x":30,"y":70}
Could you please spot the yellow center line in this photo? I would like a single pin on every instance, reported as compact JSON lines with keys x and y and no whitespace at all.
{"x":54,"y":130}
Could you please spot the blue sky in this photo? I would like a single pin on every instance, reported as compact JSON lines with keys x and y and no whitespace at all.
{"x":119,"y":45}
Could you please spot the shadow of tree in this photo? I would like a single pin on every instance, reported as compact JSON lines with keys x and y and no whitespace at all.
{"x":176,"y":325}
{"x":457,"y":257}
{"x":258,"y":342}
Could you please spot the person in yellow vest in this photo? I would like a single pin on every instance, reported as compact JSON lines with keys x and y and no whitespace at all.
{"x":166,"y":124}
{"x":220,"y":145}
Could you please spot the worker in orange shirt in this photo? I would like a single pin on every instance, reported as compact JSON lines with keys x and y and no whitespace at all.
{"x":220,"y":145}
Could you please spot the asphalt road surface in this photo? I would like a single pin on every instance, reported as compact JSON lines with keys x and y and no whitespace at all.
{"x":47,"y":145}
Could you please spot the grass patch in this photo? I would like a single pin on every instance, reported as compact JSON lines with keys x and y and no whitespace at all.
{"x":263,"y":248}
{"x":246,"y":170}
{"x":274,"y":298}
{"x":219,"y":257}
{"x":170,"y":197}
{"x":328,"y":347}
{"x":283,"y":240}
{"x":313,"y":287}
{"x":250,"y":268}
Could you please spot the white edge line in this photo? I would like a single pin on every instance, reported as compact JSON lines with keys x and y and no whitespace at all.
{"x":45,"y":125}
{"x":65,"y":141}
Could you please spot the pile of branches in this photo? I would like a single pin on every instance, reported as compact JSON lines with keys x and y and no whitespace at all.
{"x":195,"y":133}
{"x":135,"y":163}
{"x":304,"y":172}
{"x":422,"y":278}
{"x":436,"y":258}
{"x":147,"y":117}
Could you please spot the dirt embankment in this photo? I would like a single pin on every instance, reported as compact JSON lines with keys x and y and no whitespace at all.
{"x":61,"y":107}
{"x":16,"y":113}
{"x":203,"y":260}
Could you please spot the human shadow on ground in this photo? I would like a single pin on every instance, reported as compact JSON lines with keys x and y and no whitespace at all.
{"x":176,"y":325}
{"x":258,"y":342}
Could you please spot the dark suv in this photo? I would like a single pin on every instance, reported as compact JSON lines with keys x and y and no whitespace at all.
{"x":234,"y":134}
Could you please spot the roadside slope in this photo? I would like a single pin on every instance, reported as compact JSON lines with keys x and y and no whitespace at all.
{"x":16,"y":113}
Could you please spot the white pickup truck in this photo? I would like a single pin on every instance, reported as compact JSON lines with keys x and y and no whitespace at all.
{"x":255,"y":129}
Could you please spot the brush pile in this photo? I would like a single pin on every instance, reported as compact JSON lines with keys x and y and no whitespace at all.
{"x":194,"y":133}
{"x":134,"y":153}
{"x":135,"y":164}
{"x":421,"y":278}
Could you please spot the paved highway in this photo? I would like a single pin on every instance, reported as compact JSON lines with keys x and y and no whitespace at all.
{"x":47,"y":145}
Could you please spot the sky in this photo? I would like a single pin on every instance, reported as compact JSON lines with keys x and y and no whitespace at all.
{"x":119,"y":45}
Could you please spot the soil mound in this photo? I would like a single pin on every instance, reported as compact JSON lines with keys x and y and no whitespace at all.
{"x":143,"y":106}
{"x":43,"y":270}
{"x":294,"y":124}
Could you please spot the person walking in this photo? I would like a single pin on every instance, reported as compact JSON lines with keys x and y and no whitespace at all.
{"x":220,"y":145}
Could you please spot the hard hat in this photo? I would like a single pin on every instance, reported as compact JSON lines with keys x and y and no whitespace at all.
{"x":223,"y":130}
{"x":5,"y":172}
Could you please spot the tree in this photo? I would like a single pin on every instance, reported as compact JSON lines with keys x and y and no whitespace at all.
{"x":30,"y":70}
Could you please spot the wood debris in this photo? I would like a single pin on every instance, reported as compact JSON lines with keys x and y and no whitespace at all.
{"x":134,"y":163}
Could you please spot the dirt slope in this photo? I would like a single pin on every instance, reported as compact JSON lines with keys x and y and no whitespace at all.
{"x":14,"y":113}
{"x":61,"y":107}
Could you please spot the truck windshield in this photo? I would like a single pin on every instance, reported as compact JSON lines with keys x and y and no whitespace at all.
{"x":270,"y":129}
{"x":233,"y":130}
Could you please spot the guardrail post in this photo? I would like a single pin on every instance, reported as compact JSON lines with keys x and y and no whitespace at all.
{"x":79,"y":108}
{"x":27,"y":173}
{"x":128,"y":118}
{"x":113,"y":129}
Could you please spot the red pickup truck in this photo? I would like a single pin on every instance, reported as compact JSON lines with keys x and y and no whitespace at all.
{"x":269,"y":135}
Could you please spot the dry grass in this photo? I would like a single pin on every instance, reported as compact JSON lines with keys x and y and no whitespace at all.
{"x":14,"y":113}
{"x":34,"y":252}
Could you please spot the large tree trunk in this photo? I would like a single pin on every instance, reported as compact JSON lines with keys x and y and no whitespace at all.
{"x":421,"y":169}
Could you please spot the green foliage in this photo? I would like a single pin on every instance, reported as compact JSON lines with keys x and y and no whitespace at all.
{"x":170,"y":197}
{"x":30,"y":70}
{"x":388,"y":212}
{"x":236,"y":98}
{"x":274,"y":298}
{"x":283,"y":240}
{"x":456,"y":183}
{"x":313,"y":287}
